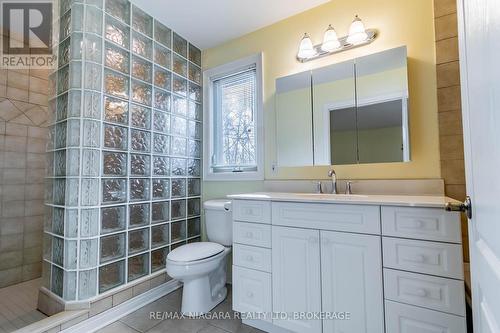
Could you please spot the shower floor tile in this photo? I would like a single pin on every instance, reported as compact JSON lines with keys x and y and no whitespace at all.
{"x":18,"y":305}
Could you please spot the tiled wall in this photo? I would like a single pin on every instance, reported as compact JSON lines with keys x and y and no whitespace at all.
{"x":124,"y":183}
{"x":449,"y":105}
{"x":23,"y":117}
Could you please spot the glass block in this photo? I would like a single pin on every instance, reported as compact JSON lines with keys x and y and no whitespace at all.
{"x":142,"y":45}
{"x":161,"y":143}
{"x":178,"y":187}
{"x":57,"y":282}
{"x":140,"y":165}
{"x":72,"y":106}
{"x":58,"y":221}
{"x":194,"y":187}
{"x":194,"y":240}
{"x":71,"y":192}
{"x":162,"y":34}
{"x":70,"y":254}
{"x":87,"y":284}
{"x":93,"y":48}
{"x":194,"y":148}
{"x":97,"y":3}
{"x":88,"y":253}
{"x":161,"y":166}
{"x":195,"y":111}
{"x":161,"y":121}
{"x":59,"y":194}
{"x":162,"y":100}
{"x":71,"y":223}
{"x":179,"y":85}
{"x":111,"y":276}
{"x":194,"y":73}
{"x":178,"y":231}
{"x":70,"y":49}
{"x":63,"y":79}
{"x":158,"y":259}
{"x":159,"y":211}
{"x":69,"y":289}
{"x":47,"y":247}
{"x":142,"y":69}
{"x":142,"y":22}
{"x":112,"y":219}
{"x":91,"y":133}
{"x":161,"y":188}
{"x":112,"y":247}
{"x":195,"y":130}
{"x":117,"y":32}
{"x":114,"y":190}
{"x":92,"y":105}
{"x":116,"y":58}
{"x":163,"y":78}
{"x":138,"y":240}
{"x":179,"y":65}
{"x":178,"y":146}
{"x":138,"y":215}
{"x":115,"y":110}
{"x":61,"y":134}
{"x":67,"y":162}
{"x":116,"y":84}
{"x":89,"y":222}
{"x":115,"y":137}
{"x":179,"y":45}
{"x":90,"y":186}
{"x":75,"y":74}
{"x":119,"y":9}
{"x":193,"y":227}
{"x":178,"y":209}
{"x":141,"y":92}
{"x":141,"y":116}
{"x":138,"y":266}
{"x":194,"y":54}
{"x":162,"y":56}
{"x":195,"y":92}
{"x":93,"y":20}
{"x":194,"y":207}
{"x":179,"y":106}
{"x":179,"y":126}
{"x":178,"y":167}
{"x":73,"y":132}
{"x":194,"y":168}
{"x":139,"y":189}
{"x":114,"y":164}
{"x":159,"y":235}
{"x":140,"y":140}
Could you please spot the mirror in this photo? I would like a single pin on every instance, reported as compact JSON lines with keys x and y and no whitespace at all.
{"x":358,"y":112}
{"x":294,"y":126}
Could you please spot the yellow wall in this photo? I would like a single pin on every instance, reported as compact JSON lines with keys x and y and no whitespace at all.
{"x":400,"y":22}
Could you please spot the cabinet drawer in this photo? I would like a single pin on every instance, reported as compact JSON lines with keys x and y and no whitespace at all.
{"x":402,"y":318}
{"x":440,"y":259}
{"x":430,"y":292}
{"x":252,"y":291}
{"x":252,"y":234}
{"x":335,"y":217}
{"x":422,"y":223}
{"x":252,"y":211}
{"x":252,"y":257}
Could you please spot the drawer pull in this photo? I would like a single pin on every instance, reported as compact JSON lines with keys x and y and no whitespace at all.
{"x":418,"y":259}
{"x":419,"y":224}
{"x":249,"y":211}
{"x":249,"y":294}
{"x":249,"y":234}
{"x":419,"y":292}
{"x":249,"y":258}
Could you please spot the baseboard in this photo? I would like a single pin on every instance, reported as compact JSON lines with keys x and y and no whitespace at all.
{"x":107,"y":317}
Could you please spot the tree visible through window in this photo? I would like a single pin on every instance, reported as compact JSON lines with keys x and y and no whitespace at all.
{"x":234,"y":115}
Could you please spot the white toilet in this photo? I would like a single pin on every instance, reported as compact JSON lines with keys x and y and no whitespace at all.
{"x":201,"y":266}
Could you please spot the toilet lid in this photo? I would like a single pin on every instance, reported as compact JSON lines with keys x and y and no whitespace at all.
{"x":195,"y":251}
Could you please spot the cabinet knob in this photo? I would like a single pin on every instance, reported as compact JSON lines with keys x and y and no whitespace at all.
{"x":249,"y":234}
{"x":419,"y":224}
{"x":419,"y":258}
{"x":249,"y":258}
{"x":419,"y":292}
{"x":249,"y":294}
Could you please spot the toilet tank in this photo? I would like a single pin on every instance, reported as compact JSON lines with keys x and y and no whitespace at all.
{"x":218,"y":221}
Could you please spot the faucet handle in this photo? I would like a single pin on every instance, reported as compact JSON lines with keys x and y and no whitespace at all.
{"x":319,"y":188}
{"x":348,"y":187}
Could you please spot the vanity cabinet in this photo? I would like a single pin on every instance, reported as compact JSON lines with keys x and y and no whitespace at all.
{"x":390,"y":269}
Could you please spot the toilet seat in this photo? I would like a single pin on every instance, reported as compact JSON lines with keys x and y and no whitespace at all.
{"x":195,"y":251}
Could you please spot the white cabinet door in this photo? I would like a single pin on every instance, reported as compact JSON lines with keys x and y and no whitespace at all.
{"x":351,"y":280}
{"x":296,"y":277}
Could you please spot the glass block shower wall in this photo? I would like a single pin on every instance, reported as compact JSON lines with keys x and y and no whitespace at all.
{"x":124,"y":161}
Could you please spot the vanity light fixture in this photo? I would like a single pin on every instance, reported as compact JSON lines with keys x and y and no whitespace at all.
{"x":357,"y":36}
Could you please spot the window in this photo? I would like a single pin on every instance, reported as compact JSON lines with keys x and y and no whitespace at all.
{"x":233,"y":132}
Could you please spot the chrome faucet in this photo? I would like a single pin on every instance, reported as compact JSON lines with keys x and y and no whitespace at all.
{"x":348,"y":187}
{"x":333,"y":176}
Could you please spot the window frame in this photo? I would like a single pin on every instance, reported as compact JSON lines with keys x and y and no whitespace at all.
{"x":211,"y":75}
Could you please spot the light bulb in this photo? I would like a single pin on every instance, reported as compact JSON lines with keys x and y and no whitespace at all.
{"x":306,"y":48}
{"x":330,"y":40}
{"x":357,"y":32}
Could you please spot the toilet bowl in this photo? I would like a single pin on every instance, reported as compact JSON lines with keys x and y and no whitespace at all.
{"x":201,"y":266}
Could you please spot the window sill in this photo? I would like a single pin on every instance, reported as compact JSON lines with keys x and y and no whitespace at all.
{"x":233,"y":176}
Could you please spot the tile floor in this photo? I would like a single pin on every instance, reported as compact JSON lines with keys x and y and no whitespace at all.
{"x":139,"y":321}
{"x":18,"y":305}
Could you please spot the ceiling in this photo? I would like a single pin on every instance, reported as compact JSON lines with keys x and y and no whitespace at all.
{"x":208,"y":23}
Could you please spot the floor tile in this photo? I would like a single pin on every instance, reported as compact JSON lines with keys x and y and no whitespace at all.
{"x":117,"y":327}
